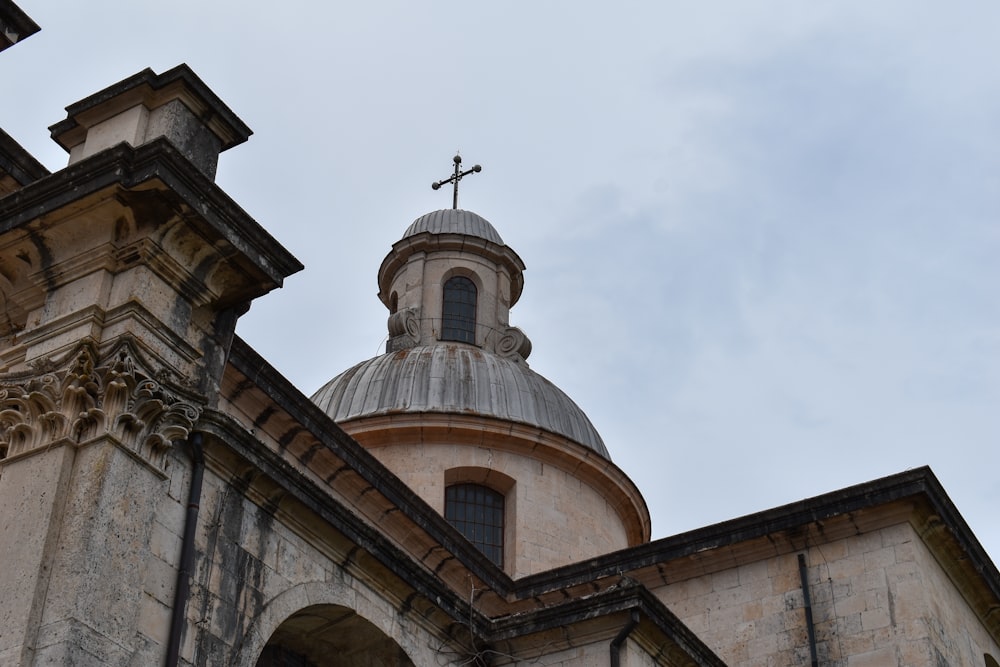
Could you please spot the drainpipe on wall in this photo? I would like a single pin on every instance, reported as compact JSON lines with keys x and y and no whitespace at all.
{"x":184,"y":573}
{"x":616,"y":643}
{"x":807,"y":603}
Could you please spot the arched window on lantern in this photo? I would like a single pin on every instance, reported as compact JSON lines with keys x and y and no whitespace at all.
{"x":458,"y":311}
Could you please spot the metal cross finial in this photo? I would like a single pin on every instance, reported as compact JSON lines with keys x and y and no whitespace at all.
{"x":456,"y":177}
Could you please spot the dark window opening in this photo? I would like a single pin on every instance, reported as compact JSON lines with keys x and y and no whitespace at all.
{"x":458,"y":314}
{"x":478,"y":513}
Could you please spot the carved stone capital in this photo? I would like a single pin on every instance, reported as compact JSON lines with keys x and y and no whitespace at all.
{"x":89,"y":396}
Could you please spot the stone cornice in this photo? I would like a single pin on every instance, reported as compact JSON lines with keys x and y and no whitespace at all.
{"x":149,"y":88}
{"x":312,"y":424}
{"x":493,"y":615}
{"x":15,"y":25}
{"x":17,"y":163}
{"x":523,"y":439}
{"x":915,"y":496}
{"x":282,"y":489}
{"x":426,"y":242}
{"x":156,"y":161}
{"x":660,"y":631}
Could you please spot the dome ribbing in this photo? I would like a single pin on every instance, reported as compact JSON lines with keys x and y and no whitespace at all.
{"x":454,"y":221}
{"x":458,"y":379}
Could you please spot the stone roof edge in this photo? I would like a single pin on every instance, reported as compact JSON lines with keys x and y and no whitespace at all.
{"x":239,"y":132}
{"x":916,"y":482}
{"x":616,"y":599}
{"x":429,"y":242}
{"x":297,"y":405}
{"x":159,"y":159}
{"x":587,"y":459}
{"x":367,"y":538}
{"x":13,"y":16}
{"x":627,"y":597}
{"x":19,"y":163}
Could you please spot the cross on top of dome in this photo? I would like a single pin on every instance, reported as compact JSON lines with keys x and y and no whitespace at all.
{"x":456,"y":177}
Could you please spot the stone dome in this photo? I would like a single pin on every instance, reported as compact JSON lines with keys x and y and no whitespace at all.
{"x":454,"y":221}
{"x":457,"y":379}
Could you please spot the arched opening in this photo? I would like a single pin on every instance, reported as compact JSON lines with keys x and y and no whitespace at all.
{"x":990,"y":660}
{"x":458,"y":310}
{"x":478,"y":513}
{"x":330,"y":635}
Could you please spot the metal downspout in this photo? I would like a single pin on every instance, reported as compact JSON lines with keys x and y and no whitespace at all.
{"x":810,"y":630}
{"x":184,"y":573}
{"x":616,"y":643}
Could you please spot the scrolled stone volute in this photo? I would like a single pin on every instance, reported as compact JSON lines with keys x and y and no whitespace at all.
{"x":513,"y":344}
{"x":404,"y":329}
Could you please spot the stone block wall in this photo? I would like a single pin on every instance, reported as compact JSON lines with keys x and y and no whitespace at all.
{"x":92,"y":573}
{"x":86,"y":557}
{"x":557,"y":518}
{"x":878,"y":599}
{"x":253,"y":572}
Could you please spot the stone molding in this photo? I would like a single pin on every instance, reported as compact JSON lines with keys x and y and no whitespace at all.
{"x":450,"y":243}
{"x":86,"y":395}
{"x":404,"y":333}
{"x":407,"y":430}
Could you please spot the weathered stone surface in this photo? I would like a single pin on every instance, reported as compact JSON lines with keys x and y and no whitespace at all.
{"x":876,"y":597}
{"x":175,"y":105}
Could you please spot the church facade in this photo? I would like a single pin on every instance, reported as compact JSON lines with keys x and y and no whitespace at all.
{"x":168,"y":498}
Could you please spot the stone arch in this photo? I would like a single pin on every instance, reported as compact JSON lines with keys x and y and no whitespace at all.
{"x":318,"y":619}
{"x":479,"y":475}
{"x":466,"y":272}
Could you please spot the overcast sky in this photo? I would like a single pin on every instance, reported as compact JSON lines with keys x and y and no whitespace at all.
{"x":762,"y":238}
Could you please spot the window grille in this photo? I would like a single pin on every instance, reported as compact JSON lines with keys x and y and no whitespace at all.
{"x":458,"y":313}
{"x":478,"y":513}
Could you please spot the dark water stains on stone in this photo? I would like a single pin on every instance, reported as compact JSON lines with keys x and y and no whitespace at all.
{"x":234,"y":550}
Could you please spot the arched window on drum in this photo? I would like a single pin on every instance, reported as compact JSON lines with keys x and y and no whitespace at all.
{"x":478,"y":513}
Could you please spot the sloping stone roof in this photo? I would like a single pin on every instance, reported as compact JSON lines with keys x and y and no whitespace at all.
{"x":454,"y":221}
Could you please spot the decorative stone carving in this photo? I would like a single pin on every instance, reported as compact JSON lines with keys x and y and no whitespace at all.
{"x":513,"y":343}
{"x":404,"y":329}
{"x":88,"y":399}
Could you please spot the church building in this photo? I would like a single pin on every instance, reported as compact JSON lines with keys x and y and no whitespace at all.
{"x":168,"y":498}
